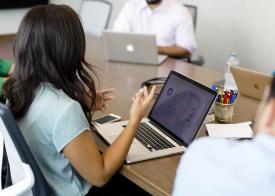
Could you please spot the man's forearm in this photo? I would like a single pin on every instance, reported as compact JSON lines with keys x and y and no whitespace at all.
{"x":174,"y":51}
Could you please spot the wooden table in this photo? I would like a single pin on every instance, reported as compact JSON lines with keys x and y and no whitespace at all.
{"x":155,"y":176}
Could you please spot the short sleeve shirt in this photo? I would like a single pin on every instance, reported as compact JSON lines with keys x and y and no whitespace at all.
{"x":52,"y":121}
{"x":170,"y":22}
{"x":216,"y":167}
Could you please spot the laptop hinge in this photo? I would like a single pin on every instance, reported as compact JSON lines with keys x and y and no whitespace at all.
{"x":168,"y":134}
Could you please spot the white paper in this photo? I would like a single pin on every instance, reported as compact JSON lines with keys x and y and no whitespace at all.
{"x":238,"y":130}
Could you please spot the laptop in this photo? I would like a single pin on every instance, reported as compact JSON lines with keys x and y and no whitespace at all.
{"x":131,"y":48}
{"x":250,"y":83}
{"x":173,"y":122}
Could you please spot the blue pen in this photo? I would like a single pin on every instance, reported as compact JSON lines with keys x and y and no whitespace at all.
{"x":233,"y":98}
{"x":214,"y":87}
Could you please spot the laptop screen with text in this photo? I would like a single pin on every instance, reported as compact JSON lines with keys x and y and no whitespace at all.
{"x":182,"y":107}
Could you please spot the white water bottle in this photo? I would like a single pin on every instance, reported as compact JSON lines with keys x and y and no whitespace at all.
{"x":232,"y":61}
{"x":229,"y":79}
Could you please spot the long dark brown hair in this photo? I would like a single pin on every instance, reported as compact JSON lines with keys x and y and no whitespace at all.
{"x":49,"y":48}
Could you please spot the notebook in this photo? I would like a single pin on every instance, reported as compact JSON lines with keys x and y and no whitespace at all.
{"x":237,"y":131}
{"x":173,"y":122}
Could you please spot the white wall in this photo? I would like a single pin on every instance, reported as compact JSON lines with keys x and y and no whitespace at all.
{"x":246,"y":27}
{"x":10,"y":18}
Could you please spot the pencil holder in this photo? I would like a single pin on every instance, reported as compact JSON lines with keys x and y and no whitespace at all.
{"x":224,"y":112}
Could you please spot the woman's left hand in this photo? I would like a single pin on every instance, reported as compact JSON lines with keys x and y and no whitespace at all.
{"x":102,"y":97}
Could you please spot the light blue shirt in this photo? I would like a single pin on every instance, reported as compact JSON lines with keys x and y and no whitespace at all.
{"x":51,"y":122}
{"x":218,"y":167}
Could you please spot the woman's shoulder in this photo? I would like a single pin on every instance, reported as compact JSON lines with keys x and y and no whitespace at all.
{"x":51,"y":97}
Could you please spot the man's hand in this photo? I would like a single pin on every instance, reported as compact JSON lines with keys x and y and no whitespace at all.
{"x":174,"y":51}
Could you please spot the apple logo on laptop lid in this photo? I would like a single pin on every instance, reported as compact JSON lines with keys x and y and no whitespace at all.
{"x":130,"y":48}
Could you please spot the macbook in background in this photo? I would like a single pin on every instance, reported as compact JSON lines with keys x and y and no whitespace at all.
{"x":173,"y":122}
{"x":250,"y":83}
{"x":131,"y":48}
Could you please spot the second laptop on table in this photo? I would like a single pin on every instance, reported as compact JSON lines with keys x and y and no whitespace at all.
{"x":131,"y":48}
{"x":250,"y":83}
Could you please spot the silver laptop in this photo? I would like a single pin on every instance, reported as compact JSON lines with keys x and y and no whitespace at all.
{"x":250,"y":83}
{"x":173,"y":122}
{"x":131,"y":48}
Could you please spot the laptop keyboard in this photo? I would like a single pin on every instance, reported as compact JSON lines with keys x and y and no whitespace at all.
{"x":151,"y":139}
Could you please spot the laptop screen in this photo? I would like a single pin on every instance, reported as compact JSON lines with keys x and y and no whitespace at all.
{"x":182,"y":107}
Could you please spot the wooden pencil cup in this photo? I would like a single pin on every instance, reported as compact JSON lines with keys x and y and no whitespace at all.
{"x":224,"y":112}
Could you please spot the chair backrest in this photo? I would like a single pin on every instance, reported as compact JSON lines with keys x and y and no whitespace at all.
{"x":95,"y":15}
{"x":19,"y":170}
{"x":194,"y":13}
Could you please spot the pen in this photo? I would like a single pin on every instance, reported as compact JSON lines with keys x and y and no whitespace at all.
{"x":224,"y":97}
{"x":232,"y":99}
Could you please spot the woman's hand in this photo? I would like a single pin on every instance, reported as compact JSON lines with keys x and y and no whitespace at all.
{"x":102,"y":97}
{"x":141,"y":103}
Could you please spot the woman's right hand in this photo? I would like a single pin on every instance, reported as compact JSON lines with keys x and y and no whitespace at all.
{"x":141,"y":103}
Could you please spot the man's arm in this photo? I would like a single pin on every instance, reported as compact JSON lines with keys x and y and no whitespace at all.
{"x":174,"y":51}
{"x":185,"y":43}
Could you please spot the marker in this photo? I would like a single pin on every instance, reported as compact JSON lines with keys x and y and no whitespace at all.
{"x":222,"y":98}
{"x":219,"y":98}
{"x":225,"y":97}
{"x":233,"y":99}
{"x":229,"y":97}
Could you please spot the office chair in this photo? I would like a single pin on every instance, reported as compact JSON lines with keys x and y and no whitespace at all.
{"x":95,"y":15}
{"x":20,"y":174}
{"x":199,"y":60}
{"x":194,"y":12}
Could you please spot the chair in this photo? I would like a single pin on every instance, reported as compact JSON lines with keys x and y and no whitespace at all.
{"x":199,"y":60}
{"x":194,"y":12}
{"x":95,"y":15}
{"x":20,"y":174}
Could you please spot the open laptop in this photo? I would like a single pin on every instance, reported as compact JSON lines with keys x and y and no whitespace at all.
{"x":173,"y":122}
{"x":131,"y":48}
{"x":250,"y":83}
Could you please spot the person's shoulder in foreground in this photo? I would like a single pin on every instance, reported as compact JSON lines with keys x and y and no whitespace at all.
{"x":227,"y":167}
{"x":224,"y":167}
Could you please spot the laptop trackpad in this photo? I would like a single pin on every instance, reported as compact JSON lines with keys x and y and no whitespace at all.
{"x":135,"y":148}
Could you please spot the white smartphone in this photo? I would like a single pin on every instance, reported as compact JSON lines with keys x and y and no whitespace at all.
{"x":107,"y":119}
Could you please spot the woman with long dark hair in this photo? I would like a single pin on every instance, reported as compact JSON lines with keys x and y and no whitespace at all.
{"x":52,"y":96}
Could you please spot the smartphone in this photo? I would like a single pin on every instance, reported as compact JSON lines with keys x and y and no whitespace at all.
{"x":107,"y":119}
